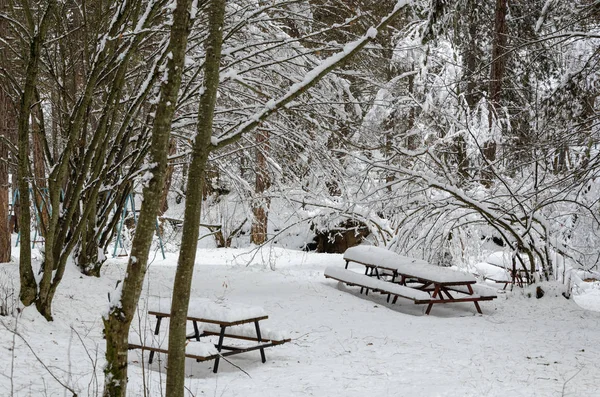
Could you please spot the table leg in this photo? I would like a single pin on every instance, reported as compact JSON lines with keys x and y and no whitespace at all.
{"x":219,"y":345}
{"x":259,"y":338}
{"x":196,"y":331}
{"x":435,"y":294}
{"x":366,"y":274}
{"x":156,"y":329}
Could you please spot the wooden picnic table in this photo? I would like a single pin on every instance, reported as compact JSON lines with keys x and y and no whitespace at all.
{"x":212,"y":319}
{"x":444,"y":285}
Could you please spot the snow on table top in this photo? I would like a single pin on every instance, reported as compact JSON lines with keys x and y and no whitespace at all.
{"x":374,"y":283}
{"x":504,"y":259}
{"x":376,"y":256}
{"x":209,"y":310}
{"x":492,"y":272}
{"x":380,"y":257}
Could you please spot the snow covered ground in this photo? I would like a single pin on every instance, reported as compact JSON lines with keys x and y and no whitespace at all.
{"x":344,"y":344}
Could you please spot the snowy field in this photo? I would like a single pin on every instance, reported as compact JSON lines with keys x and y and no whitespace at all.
{"x":344,"y":344}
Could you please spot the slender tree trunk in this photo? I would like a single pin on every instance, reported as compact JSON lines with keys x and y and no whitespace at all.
{"x":497,"y":70}
{"x":118,"y":321}
{"x":164,"y":205}
{"x":193,"y":203}
{"x":39,"y":171}
{"x":28,"y":290}
{"x":260,"y":209}
{"x":5,"y":116}
{"x":471,"y":97}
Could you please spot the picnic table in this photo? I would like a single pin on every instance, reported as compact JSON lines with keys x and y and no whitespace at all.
{"x":441,"y":285}
{"x":518,"y":274}
{"x":216,"y":319}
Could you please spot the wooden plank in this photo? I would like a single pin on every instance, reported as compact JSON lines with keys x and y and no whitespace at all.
{"x":235,"y":350}
{"x":352,"y":278}
{"x":242,"y":337}
{"x":211,"y":321}
{"x":165,"y":351}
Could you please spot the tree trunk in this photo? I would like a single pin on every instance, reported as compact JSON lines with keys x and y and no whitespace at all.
{"x":164,"y":205}
{"x":497,"y":70}
{"x":260,"y":209}
{"x":39,"y":171}
{"x":118,"y":321}
{"x":28,"y":291}
{"x":193,"y":204}
{"x":6,"y":116}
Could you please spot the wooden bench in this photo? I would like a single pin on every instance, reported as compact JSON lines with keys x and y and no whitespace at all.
{"x":200,"y":351}
{"x":219,"y":320}
{"x":370,"y":283}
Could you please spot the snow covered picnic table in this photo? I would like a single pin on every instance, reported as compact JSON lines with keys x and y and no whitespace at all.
{"x":216,"y":319}
{"x":412,"y":279}
{"x":518,"y":272}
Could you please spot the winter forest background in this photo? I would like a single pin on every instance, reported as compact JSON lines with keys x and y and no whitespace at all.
{"x":429,"y":127}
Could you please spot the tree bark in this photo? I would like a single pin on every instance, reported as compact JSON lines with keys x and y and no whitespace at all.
{"x":164,"y":205}
{"x":39,"y":171}
{"x":6,"y":115}
{"x":260,"y":209}
{"x":497,"y":72}
{"x":116,"y":325}
{"x":28,"y":291}
{"x":193,"y":204}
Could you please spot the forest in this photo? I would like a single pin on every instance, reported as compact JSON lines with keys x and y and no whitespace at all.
{"x":428,"y":127}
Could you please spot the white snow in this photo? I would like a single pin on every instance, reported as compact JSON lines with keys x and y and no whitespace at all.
{"x":377,"y":256}
{"x":249,"y":330}
{"x":492,"y":272}
{"x":343,"y":343}
{"x":200,"y":348}
{"x":210,"y":310}
{"x":404,"y":265}
{"x":345,"y":275}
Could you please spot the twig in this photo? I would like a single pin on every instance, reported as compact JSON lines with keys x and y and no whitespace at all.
{"x":571,"y":378}
{"x":237,"y":366}
{"x":94,"y":379}
{"x":15,"y":333}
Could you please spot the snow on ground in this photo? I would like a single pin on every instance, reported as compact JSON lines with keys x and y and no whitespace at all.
{"x":344,"y":344}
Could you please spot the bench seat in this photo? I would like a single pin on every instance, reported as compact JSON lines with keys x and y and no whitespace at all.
{"x":200,"y":351}
{"x":352,"y":278}
{"x":246,"y":332}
